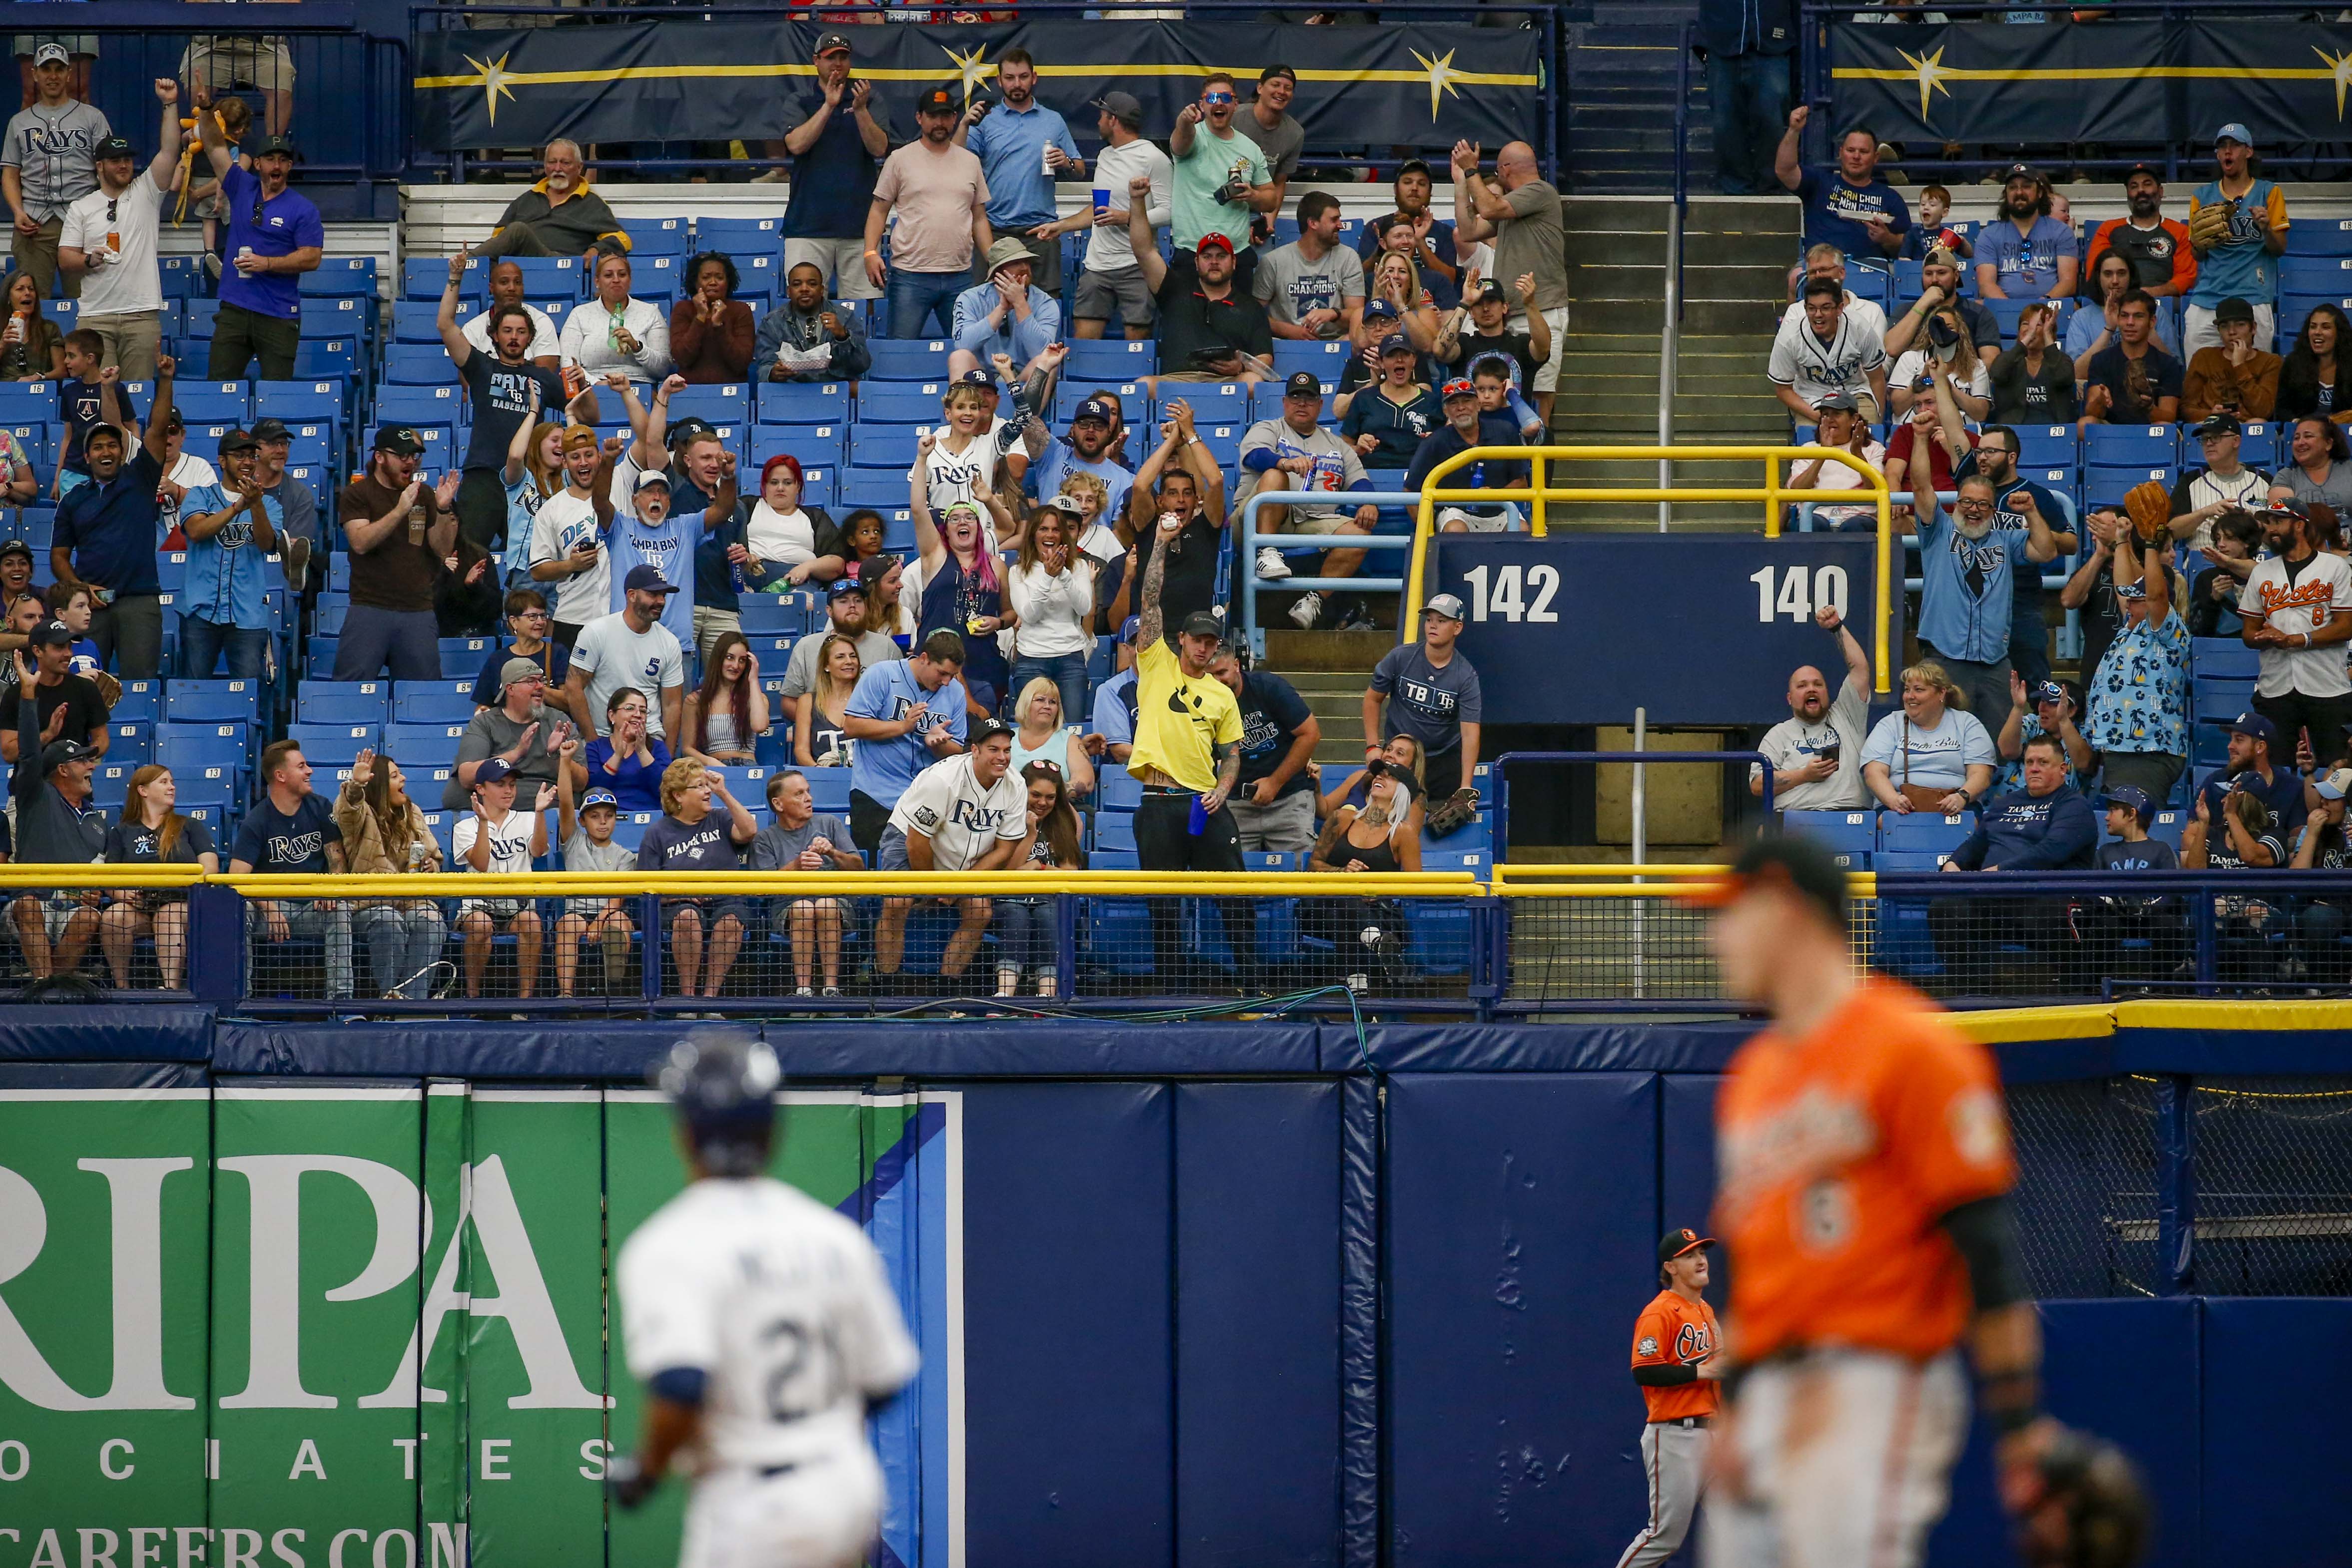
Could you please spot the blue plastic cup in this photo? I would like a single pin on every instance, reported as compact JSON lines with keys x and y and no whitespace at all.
{"x":1198,"y":823}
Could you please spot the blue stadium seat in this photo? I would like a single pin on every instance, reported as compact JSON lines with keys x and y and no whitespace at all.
{"x":556,"y":277}
{"x":464,"y":656}
{"x":910,"y":403}
{"x":657,"y":236}
{"x":214,"y":701}
{"x":311,"y":401}
{"x":343,"y":702}
{"x":318,"y":656}
{"x":657,"y":279}
{"x":339,"y":318}
{"x":1115,"y":830}
{"x":334,"y":745}
{"x":2224,"y":656}
{"x":1851,"y":836}
{"x":2259,"y":443}
{"x":1326,"y":358}
{"x":418,"y":364}
{"x":441,"y":405}
{"x":203,"y":404}
{"x":424,"y":746}
{"x":757,"y":278}
{"x":736,"y":235}
{"x":768,"y":614}
{"x":828,"y":787}
{"x":1110,"y":359}
{"x":726,"y":403}
{"x":419,"y":320}
{"x":2319,"y":236}
{"x":448,"y":701}
{"x":345,"y":276}
{"x":910,"y":360}
{"x":805,"y":402}
{"x":886,"y":446}
{"x":2323,"y":275}
{"x":182,"y":274}
{"x":2048,"y":447}
{"x":1922,"y":831}
{"x":1133,"y":398}
{"x":424,"y":277}
{"x":822,"y":443}
{"x":329,"y":357}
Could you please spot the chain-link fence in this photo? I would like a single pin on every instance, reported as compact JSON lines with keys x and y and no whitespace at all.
{"x":2274,"y":1172}
{"x":2086,"y":1188}
{"x":1624,"y":946}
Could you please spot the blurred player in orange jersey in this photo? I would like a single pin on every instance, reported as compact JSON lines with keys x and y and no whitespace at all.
{"x":1864,"y":1167}
{"x":1674,"y":1341}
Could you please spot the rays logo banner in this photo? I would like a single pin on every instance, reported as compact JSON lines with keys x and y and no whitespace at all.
{"x":364,"y":1326}
{"x":678,"y":81}
{"x":2060,"y":81}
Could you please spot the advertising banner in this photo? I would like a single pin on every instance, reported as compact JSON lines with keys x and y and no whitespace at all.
{"x":353,"y":1326}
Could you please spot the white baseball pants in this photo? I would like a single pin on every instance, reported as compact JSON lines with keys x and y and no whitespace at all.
{"x":1673,"y":1456}
{"x":823,"y":1515}
{"x":1847,"y":1456}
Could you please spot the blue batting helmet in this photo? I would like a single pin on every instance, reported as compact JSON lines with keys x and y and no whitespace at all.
{"x":723,"y":1086}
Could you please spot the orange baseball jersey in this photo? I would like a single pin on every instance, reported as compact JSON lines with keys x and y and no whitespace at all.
{"x":1671,"y":1331}
{"x":1840,"y":1153}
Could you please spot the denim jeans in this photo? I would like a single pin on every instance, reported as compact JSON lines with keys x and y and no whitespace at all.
{"x":1749,"y":97}
{"x":1026,"y":935}
{"x":402,"y":938}
{"x":313,"y":922}
{"x":917,"y":297}
{"x":1069,"y":674}
{"x":200,"y":641}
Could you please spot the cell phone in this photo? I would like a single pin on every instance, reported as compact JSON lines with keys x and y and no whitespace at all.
{"x":1828,"y":753}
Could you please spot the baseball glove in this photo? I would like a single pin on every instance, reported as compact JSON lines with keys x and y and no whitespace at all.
{"x":1455,"y":814}
{"x":2149,"y":506}
{"x":2091,"y":1510}
{"x":2209,"y":224}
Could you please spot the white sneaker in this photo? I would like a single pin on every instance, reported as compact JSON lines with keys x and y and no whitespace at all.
{"x":772,"y":177}
{"x":1271,"y":567}
{"x":1307,"y":611}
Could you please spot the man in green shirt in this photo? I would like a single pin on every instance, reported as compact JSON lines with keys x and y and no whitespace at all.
{"x":1222,"y":177}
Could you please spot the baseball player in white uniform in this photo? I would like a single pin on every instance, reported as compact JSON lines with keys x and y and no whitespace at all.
{"x":762,"y":1328}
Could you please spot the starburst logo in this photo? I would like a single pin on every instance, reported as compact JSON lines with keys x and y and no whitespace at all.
{"x":1929,"y":72}
{"x":971,"y":68}
{"x":1441,"y":77}
{"x":2340,"y":67}
{"x":491,"y":78}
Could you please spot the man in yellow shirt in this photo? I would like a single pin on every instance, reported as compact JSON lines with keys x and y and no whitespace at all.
{"x":1187,"y":755}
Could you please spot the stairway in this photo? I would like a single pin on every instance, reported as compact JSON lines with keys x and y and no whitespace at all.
{"x":1620,"y":96}
{"x":1331,"y":670}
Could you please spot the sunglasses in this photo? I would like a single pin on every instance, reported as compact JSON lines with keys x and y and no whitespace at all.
{"x":112,"y":203}
{"x":1218,"y":98}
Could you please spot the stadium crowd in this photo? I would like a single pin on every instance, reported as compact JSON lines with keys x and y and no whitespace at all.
{"x":533,"y":634}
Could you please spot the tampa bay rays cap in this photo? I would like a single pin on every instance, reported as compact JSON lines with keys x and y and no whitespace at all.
{"x":2336,"y":786}
{"x":493,"y":769}
{"x":600,"y":798}
{"x":2253,"y":726}
{"x":1675,"y":1243}
{"x":2131,"y":797}
{"x":2234,"y":131}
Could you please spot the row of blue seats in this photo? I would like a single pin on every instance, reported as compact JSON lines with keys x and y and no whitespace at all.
{"x":1920,"y":841}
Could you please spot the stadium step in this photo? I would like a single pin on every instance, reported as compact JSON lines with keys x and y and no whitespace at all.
{"x":1621,"y":94}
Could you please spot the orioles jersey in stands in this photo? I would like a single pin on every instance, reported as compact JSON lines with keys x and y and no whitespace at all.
{"x":1841,"y":1152}
{"x":1671,"y":1331}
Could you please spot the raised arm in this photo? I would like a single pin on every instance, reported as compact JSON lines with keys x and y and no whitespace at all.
{"x":1155,"y":574}
{"x":928,"y":544}
{"x":164,"y":170}
{"x":650,"y":426}
{"x":1140,"y":235}
{"x":445,"y":321}
{"x":208,"y":136}
{"x":159,"y":411}
{"x":1786,"y":167}
{"x":518,"y":449}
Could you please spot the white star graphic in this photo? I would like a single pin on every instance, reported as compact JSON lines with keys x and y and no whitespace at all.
{"x":1441,"y":77}
{"x":1930,"y":70}
{"x":2341,"y":65}
{"x":493,"y":81}
{"x":972,"y":70}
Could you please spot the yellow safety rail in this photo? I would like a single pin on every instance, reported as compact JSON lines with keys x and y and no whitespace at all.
{"x":763,"y":885}
{"x":1537,"y":493}
{"x":1618,"y":880}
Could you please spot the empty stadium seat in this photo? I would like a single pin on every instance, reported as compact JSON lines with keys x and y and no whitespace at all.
{"x":2224,"y":656}
{"x":805,"y":402}
{"x":910,"y":360}
{"x":343,"y":702}
{"x":1110,"y":359}
{"x":1901,"y":833}
{"x":433,"y":702}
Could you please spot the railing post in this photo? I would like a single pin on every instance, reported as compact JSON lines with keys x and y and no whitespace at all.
{"x":649,"y":917}
{"x":215,"y":945}
{"x":2176,"y":1185}
{"x":2204,"y":933}
{"x":1065,"y":945}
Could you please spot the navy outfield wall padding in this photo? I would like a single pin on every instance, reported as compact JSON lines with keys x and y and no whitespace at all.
{"x":1540,"y":1048}
{"x":618,"y":1050}
{"x":54,"y":1031}
{"x":1069,"y":1377}
{"x":2276,"y":1379}
{"x":48,"y":1075}
{"x":1520,"y":1249}
{"x":1257,"y":1324}
{"x":1687,"y":1167}
{"x":1359,"y":1322}
{"x":2222,"y":1051}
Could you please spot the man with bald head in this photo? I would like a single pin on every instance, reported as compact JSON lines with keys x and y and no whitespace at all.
{"x":1519,"y":213}
{"x":506,"y":288}
{"x":558,"y":216}
{"x":1816,"y":751}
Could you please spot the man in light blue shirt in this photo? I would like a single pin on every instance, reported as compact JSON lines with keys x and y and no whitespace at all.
{"x":231,"y":526}
{"x":1023,"y":147}
{"x":2026,"y":254}
{"x":1968,"y":567}
{"x":904,"y":715}
{"x":1006,"y":315}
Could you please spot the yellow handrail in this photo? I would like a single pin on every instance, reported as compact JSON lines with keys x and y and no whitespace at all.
{"x":1771,"y":492}
{"x":759,"y":884}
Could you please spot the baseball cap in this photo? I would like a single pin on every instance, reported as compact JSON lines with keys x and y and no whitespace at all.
{"x":235,"y":440}
{"x":114,"y":147}
{"x":16,"y":547}
{"x":579,"y":436}
{"x":50,"y":634}
{"x":693,"y":427}
{"x":1302,"y":383}
{"x":1838,"y":402}
{"x":51,"y":54}
{"x":58,"y":753}
{"x":1940,"y":256}
{"x":1447,"y":604}
{"x":283,"y":146}
{"x":1798,"y":866}
{"x":939,"y":101}
{"x":1130,"y":629}
{"x":2150,"y":170}
{"x":520,"y":669}
{"x":1458,"y":387}
{"x":2218,"y":422}
{"x":832,"y":44}
{"x":1100,"y":408}
{"x":2336,"y":786}
{"x":647,"y":579}
{"x":2020,"y":172}
{"x":844,"y":586}
{"x":271,"y":430}
{"x":402,"y":442}
{"x":1675,"y":1243}
{"x":596,"y":798}
{"x":1201,"y":624}
{"x":1380,"y":310}
{"x":1829,"y":286}
{"x":1487,"y":289}
{"x":1212,"y":240}
{"x":2134,"y":798}
{"x":976,"y":377}
{"x":2049,"y":692}
{"x":2131,"y":590}
{"x":648,"y":477}
{"x":1395,"y":343}
{"x":2233,"y":132}
{"x":1068,"y":506}
{"x":1413,"y":166}
{"x":1277,"y":70}
{"x":174,"y":420}
{"x":1122,"y":107}
{"x":2253,"y":726}
{"x":2232,"y":310}
{"x":493,"y":769}
{"x":984,"y":730}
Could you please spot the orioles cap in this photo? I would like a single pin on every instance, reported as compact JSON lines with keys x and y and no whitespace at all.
{"x":1675,"y":1243}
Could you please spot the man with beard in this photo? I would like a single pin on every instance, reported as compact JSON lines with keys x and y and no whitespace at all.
{"x":807,"y":339}
{"x":2162,"y":260}
{"x":1433,"y":250}
{"x":1939,"y":288}
{"x":1109,"y":282}
{"x":1023,"y":148}
{"x":2132,"y":381}
{"x":1091,"y":447}
{"x":1970,"y":565}
{"x":1210,"y":327}
{"x":1222,"y":180}
{"x":506,"y":288}
{"x":2029,"y":255}
{"x":941,"y":197}
{"x":1816,"y":751}
{"x":837,"y":136}
{"x":2298,"y":606}
{"x":558,"y":216}
{"x":1995,"y":457}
